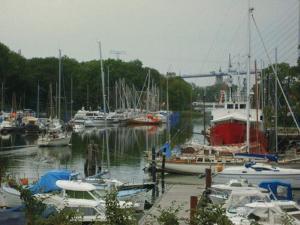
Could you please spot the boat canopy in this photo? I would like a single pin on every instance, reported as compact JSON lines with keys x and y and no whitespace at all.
{"x":47,"y":183}
{"x":278,"y":190}
{"x":269,"y":157}
{"x":75,"y":185}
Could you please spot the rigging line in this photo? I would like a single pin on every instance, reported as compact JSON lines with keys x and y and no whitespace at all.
{"x":287,"y":43}
{"x":216,"y":37}
{"x":279,"y":36}
{"x":275,"y":73}
{"x":236,"y":34}
{"x":284,"y":17}
{"x":284,"y":40}
{"x":287,"y":51}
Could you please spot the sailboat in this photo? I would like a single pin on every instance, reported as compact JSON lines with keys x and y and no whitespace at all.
{"x":146,"y":118}
{"x":55,"y":134}
{"x":256,"y":173}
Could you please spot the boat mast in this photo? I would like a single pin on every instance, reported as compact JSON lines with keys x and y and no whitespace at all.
{"x":108,"y":88}
{"x":248,"y":79}
{"x":147,"y":103}
{"x":38,"y":101}
{"x":276,"y":104}
{"x":299,"y":34}
{"x":59,"y":83}
{"x":2,"y":97}
{"x":104,"y":107}
{"x":71,"y":97}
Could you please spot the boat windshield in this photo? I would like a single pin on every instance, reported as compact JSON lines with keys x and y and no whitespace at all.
{"x":100,"y":194}
{"x":238,"y":201}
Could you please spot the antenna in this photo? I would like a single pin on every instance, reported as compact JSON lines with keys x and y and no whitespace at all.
{"x":117,"y":53}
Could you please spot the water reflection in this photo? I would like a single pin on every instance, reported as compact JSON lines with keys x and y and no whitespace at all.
{"x":127,"y":146}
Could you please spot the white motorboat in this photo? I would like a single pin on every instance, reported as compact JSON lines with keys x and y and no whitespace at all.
{"x":78,"y":128}
{"x":255,"y":173}
{"x":266,"y":213}
{"x":53,"y":139}
{"x":219,"y":193}
{"x":80,"y":190}
{"x":10,"y":197}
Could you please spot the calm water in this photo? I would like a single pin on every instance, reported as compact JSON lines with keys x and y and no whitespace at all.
{"x":127,"y":147}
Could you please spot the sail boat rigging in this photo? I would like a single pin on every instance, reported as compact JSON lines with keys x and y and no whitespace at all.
{"x":55,"y":134}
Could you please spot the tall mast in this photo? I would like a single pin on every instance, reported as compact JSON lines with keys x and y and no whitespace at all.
{"x":59,"y":83}
{"x":168,"y":119}
{"x":108,"y":88}
{"x":148,"y":93}
{"x":71,"y":97}
{"x":38,"y":101}
{"x":2,"y":97}
{"x":299,"y":33}
{"x":276,"y":104}
{"x":248,"y":79}
{"x":104,"y":106}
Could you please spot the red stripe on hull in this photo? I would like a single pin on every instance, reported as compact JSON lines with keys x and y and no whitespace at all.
{"x":231,"y":133}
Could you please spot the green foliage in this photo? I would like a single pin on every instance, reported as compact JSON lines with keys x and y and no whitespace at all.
{"x":166,"y":216}
{"x":115,"y":214}
{"x":16,"y":72}
{"x":210,"y":214}
{"x":33,"y":207}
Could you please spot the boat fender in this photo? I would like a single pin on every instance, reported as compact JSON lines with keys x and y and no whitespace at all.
{"x":24,"y":181}
{"x":219,"y":167}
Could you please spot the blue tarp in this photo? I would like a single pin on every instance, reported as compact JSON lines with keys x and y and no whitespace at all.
{"x":47,"y":182}
{"x":273,"y":186}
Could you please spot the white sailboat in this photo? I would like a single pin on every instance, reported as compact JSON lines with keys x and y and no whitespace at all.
{"x":55,"y":135}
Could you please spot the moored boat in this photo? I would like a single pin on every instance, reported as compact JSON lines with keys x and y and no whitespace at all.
{"x":256,"y":173}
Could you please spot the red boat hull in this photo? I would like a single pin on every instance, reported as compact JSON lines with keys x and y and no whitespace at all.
{"x":232,"y":133}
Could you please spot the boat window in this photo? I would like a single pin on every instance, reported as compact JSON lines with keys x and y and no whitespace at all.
{"x":236,"y":185}
{"x":199,"y":159}
{"x":98,"y":194}
{"x":261,"y":169}
{"x":207,"y":160}
{"x":230,"y":106}
{"x":242,"y":106}
{"x":236,"y":106}
{"x":289,"y":208}
{"x":78,"y":194}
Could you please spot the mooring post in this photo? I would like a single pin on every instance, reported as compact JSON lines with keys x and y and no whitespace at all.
{"x":208,"y":179}
{"x":153,"y":173}
{"x":163,"y":171}
{"x":193,"y":207}
{"x":153,"y":165}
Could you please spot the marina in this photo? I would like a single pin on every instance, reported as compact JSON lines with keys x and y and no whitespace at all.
{"x":149,"y":136}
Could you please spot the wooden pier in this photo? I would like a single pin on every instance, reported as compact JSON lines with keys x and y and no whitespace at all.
{"x":176,"y":195}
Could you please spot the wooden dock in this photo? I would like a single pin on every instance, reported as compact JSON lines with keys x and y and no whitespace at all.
{"x":175,"y":195}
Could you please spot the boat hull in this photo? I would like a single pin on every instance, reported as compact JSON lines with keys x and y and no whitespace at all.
{"x":10,"y":197}
{"x":192,"y":168}
{"x":234,"y":132}
{"x":54,"y":142}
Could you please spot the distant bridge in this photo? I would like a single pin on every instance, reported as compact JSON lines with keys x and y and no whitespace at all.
{"x":213,"y":74}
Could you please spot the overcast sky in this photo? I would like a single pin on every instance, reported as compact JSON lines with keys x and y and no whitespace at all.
{"x":183,"y":36}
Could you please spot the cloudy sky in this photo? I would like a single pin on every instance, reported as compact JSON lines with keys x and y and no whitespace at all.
{"x":183,"y":36}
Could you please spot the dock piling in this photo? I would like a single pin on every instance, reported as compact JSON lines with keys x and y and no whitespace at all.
{"x":208,"y":179}
{"x":193,"y":206}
